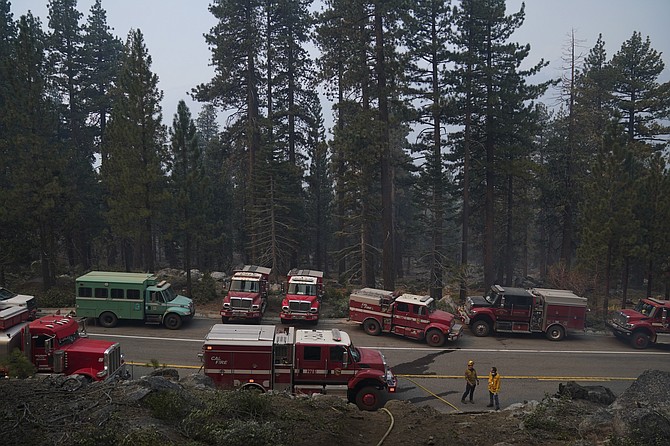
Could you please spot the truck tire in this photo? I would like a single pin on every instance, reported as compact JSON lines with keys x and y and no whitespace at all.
{"x":172,"y":321}
{"x":435,"y":338}
{"x":639,"y":340}
{"x":108,"y":319}
{"x":555,"y":333}
{"x":372,"y":327}
{"x":224,"y":319}
{"x":480,"y":328}
{"x":369,"y":398}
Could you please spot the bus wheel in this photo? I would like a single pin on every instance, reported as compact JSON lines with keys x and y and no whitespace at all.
{"x":369,"y":398}
{"x":372,"y":327}
{"x":108,"y":319}
{"x":172,"y":321}
{"x":640,"y":340}
{"x":481,"y":328}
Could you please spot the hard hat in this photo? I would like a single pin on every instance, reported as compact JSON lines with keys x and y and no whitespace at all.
{"x":471,"y":362}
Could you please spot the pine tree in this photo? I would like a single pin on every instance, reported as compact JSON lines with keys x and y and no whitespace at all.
{"x":36,"y":177}
{"x":9,"y":230}
{"x":237,"y":84}
{"x":608,"y":223}
{"x":640,"y":99}
{"x":133,"y":175}
{"x":654,"y":217}
{"x":216,"y":248}
{"x":67,"y":60}
{"x":495,"y":97}
{"x":319,"y":189}
{"x":426,"y":37}
{"x":187,"y":184}
{"x":101,"y":63}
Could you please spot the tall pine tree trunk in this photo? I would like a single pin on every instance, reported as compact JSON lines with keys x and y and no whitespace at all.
{"x":388,"y":227}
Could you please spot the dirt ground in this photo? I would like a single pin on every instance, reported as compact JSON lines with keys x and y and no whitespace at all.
{"x":39,"y":411}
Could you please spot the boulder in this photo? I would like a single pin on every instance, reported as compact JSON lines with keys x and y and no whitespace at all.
{"x":595,"y":394}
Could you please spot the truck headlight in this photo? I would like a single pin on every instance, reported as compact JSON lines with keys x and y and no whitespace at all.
{"x":254,"y":307}
{"x":226,"y":305}
{"x":285,"y":309}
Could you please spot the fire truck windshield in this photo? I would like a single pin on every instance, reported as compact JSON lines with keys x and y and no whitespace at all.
{"x":69,"y":339}
{"x":304,"y":289}
{"x":491,"y":298}
{"x":644,"y":308}
{"x":355,"y":353}
{"x":244,"y":285}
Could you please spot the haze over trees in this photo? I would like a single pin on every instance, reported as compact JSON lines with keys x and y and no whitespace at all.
{"x":443,"y":163}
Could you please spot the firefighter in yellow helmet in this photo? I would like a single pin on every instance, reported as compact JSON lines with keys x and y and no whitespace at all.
{"x":471,"y":381}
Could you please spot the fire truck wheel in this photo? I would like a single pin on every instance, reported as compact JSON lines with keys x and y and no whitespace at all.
{"x":481,"y":328}
{"x":369,"y":398}
{"x":224,"y":319}
{"x":435,"y":338}
{"x":372,"y":327}
{"x":172,"y":321}
{"x":555,"y":333}
{"x":108,"y":319}
{"x":639,"y":340}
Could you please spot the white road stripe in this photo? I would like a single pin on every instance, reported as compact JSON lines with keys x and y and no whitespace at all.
{"x":429,"y":349}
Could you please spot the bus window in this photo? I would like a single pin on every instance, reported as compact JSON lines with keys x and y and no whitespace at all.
{"x":116,"y":293}
{"x":133,"y":294}
{"x":101,"y":293}
{"x":85,"y":291}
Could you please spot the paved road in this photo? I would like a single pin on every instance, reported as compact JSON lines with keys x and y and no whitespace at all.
{"x":531,"y":366}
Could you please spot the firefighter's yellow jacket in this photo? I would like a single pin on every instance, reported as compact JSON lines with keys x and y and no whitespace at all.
{"x":494,"y":383}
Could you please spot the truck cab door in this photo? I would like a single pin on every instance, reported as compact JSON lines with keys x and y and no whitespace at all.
{"x":40,"y":353}
{"x":154,"y":302}
{"x":502,"y":309}
{"x":336,"y":368}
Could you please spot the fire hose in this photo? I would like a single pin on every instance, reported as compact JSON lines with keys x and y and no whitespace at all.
{"x":388,"y":431}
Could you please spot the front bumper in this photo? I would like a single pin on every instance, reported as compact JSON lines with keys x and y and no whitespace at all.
{"x":240,"y":314}
{"x":299,"y":316}
{"x":456,"y":332}
{"x":618,"y":329}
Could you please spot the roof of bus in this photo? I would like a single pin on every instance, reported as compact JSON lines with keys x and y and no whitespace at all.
{"x":116,"y":277}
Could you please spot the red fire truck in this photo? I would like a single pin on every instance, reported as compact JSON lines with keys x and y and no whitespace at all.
{"x":517,"y":310}
{"x":268,"y":357}
{"x":302,"y":301}
{"x":648,"y":322}
{"x":54,"y":344}
{"x":409,"y":315}
{"x":247,"y":296}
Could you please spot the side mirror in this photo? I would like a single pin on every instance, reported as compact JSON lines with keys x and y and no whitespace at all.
{"x":345,"y":358}
{"x":502,"y":301}
{"x":48,"y":345}
{"x":664,"y":316}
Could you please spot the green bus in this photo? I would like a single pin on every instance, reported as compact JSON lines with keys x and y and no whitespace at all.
{"x":110,"y":296}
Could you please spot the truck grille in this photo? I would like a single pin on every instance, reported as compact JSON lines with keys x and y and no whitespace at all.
{"x":113,"y":359}
{"x":240,"y":303}
{"x":619,"y":318}
{"x":299,"y":306}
